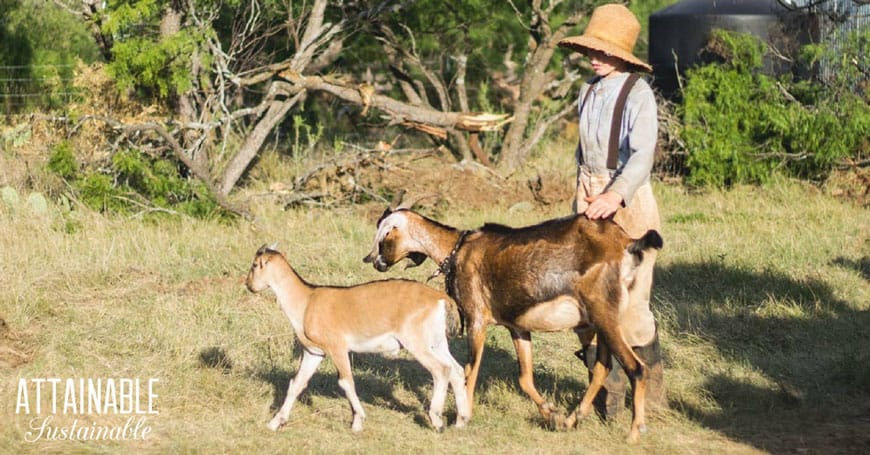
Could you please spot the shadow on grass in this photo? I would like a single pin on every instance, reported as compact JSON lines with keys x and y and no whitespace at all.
{"x":500,"y":365}
{"x":215,"y":357}
{"x":375,"y":377}
{"x":810,"y":346}
{"x":862,"y":266}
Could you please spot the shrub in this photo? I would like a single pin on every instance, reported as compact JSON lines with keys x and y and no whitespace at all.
{"x":62,"y":161}
{"x":742,"y":126}
{"x":133,"y":183}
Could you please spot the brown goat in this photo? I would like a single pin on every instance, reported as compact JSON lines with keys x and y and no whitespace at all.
{"x":566,"y":273}
{"x":380,"y":316}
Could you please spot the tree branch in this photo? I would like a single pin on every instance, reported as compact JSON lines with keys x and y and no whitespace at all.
{"x":399,"y":111}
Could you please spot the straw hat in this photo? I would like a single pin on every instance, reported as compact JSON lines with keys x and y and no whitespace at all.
{"x":612,"y":29}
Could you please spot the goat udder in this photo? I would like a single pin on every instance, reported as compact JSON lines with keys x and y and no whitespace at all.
{"x":563,"y":312}
{"x":382,"y":344}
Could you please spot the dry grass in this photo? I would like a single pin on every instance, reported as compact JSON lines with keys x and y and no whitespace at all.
{"x":762,"y":297}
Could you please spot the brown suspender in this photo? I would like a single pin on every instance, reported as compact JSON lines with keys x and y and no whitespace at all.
{"x":616,"y":123}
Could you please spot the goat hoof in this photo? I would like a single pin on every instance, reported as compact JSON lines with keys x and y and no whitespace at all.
{"x":357,"y":425}
{"x":275,"y":424}
{"x":547,"y":409}
{"x":572,"y":421}
{"x":461,"y":422}
{"x":557,"y":421}
{"x":634,"y":435}
{"x":437,"y":421}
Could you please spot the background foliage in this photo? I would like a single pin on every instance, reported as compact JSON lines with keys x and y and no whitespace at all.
{"x":133,"y":183}
{"x":733,"y":124}
{"x":39,"y":47}
{"x":742,"y":126}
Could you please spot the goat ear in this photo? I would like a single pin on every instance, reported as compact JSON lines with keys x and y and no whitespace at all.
{"x":410,"y":203}
{"x":265,"y":248}
{"x":387,"y":212}
{"x":396,"y":203}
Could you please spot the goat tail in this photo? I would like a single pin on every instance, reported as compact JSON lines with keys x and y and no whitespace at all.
{"x":652,"y":239}
{"x":454,"y":318}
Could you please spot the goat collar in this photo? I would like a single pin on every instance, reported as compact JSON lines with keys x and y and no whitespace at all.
{"x":446,"y":266}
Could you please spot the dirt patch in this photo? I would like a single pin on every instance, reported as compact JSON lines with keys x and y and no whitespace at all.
{"x":432,"y":178}
{"x":473,"y":186}
{"x":206,"y":284}
{"x":13,"y":350}
{"x":852,"y":184}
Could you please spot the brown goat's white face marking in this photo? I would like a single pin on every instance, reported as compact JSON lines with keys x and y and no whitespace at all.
{"x":395,"y":220}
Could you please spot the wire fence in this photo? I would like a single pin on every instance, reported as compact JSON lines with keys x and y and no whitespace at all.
{"x":838,"y":19}
{"x":31,"y":88}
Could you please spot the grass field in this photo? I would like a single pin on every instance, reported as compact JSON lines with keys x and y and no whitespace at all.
{"x":762,"y":297}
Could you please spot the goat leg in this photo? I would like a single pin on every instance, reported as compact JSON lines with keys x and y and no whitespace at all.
{"x":457,"y":383}
{"x":440,"y":369}
{"x":637,"y":373}
{"x":599,"y":374}
{"x":439,"y":394}
{"x":523,"y":345}
{"x":345,"y":381}
{"x":307,"y":367}
{"x":476,"y":337}
{"x":638,"y":377}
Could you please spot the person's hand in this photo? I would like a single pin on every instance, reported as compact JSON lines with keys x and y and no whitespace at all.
{"x":602,"y":206}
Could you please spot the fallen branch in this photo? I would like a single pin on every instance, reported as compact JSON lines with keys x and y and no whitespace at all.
{"x":414,"y":115}
{"x":340,"y":179}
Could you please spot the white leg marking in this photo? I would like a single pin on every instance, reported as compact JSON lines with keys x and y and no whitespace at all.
{"x":307,"y":367}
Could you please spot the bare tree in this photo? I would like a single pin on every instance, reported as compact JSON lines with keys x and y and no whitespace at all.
{"x":543,"y":38}
{"x":246,"y":92}
{"x":318,"y":45}
{"x":312,"y":40}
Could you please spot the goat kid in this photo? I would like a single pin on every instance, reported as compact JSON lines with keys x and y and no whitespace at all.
{"x":567,"y":273}
{"x":379,"y":316}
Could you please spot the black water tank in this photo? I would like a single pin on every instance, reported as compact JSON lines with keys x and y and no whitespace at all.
{"x":679,"y":33}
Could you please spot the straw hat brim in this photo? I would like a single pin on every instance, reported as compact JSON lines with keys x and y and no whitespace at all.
{"x":583,"y":43}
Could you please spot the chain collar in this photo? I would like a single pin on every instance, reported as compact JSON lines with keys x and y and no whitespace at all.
{"x":447,"y":264}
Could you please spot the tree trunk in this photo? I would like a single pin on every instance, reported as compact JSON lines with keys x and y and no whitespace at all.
{"x":542,"y":42}
{"x":170,"y":24}
{"x":91,"y":11}
{"x":532,"y":86}
{"x":254,"y":141}
{"x":316,"y":36}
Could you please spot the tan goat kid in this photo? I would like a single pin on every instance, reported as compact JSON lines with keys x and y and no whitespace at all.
{"x":378,"y":317}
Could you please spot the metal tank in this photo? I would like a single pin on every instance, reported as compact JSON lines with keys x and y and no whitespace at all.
{"x":679,"y":33}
